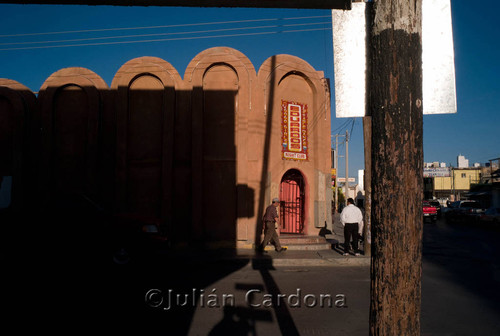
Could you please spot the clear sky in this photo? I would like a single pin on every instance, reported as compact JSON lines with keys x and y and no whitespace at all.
{"x":79,"y":36}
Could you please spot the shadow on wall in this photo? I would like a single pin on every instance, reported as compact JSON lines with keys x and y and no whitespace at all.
{"x":87,"y":167}
{"x":100,"y":176}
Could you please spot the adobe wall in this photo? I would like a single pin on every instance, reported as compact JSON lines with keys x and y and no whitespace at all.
{"x":203,"y":155}
{"x":17,"y":106}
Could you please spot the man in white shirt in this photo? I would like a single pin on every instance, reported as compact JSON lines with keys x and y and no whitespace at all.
{"x":352,"y":220}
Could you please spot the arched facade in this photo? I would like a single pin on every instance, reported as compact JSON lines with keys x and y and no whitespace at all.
{"x":220,"y":80}
{"x":291,"y":86}
{"x":17,"y":106}
{"x":71,"y":105}
{"x":144,"y":91}
{"x":202,"y":155}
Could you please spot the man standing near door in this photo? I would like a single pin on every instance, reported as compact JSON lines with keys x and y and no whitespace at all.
{"x":270,"y":219}
{"x":352,"y":220}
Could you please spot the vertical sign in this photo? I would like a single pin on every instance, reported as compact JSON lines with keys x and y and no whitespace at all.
{"x":294,"y":130}
{"x":349,"y":48}
{"x":438,"y":59}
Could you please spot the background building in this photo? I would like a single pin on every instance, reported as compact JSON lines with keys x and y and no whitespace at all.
{"x":462,"y":162}
{"x":464,"y":182}
{"x":457,"y":185}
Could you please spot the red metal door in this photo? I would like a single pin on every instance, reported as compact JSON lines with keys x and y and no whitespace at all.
{"x":292,"y":203}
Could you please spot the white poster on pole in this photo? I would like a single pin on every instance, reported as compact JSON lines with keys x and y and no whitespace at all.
{"x":438,"y":60}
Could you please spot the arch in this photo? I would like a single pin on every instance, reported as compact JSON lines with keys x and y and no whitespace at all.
{"x":71,"y":107}
{"x":17,"y":105}
{"x":139,"y":66}
{"x":285,"y":80}
{"x":242,"y":66}
{"x":277,"y":68}
{"x":145,"y":100}
{"x":293,"y":198}
{"x":221,"y":81}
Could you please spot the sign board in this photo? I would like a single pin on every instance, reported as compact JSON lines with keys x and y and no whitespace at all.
{"x":334,"y":176}
{"x":437,"y":172}
{"x":438,"y":64}
{"x":438,"y":58}
{"x":294,"y":131}
{"x":342,"y":179}
{"x":349,"y":60}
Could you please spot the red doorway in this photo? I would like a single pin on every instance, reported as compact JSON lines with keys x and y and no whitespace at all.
{"x":292,"y":197}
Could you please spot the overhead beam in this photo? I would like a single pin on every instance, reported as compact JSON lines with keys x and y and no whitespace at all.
{"x":304,"y":4}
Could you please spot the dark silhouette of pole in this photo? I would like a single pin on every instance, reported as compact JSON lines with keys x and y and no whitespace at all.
{"x":395,"y":105}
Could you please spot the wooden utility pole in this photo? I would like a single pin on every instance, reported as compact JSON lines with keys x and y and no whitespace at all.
{"x":336,"y":172}
{"x":395,"y":105}
{"x":337,"y":168}
{"x":367,"y":137}
{"x":346,"y":166}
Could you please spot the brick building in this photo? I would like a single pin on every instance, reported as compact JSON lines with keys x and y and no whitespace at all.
{"x":202,"y":154}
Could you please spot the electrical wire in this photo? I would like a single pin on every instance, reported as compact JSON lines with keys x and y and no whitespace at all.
{"x":343,"y":125}
{"x":160,"y":34}
{"x":162,"y":40}
{"x":68,"y":42}
{"x":166,"y":26}
{"x":352,"y":126}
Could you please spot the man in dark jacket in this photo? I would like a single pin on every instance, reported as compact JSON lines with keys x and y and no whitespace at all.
{"x":271,"y":217}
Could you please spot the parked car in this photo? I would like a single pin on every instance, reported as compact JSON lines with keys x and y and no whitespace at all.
{"x":430,"y":211}
{"x":437,"y":205}
{"x":491,"y":216}
{"x":466,"y":211}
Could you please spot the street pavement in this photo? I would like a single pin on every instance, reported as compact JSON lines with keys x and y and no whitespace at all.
{"x":239,"y":292}
{"x":460,"y":294}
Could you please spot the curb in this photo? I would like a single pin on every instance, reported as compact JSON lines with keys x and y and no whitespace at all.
{"x":271,"y":259}
{"x":330,"y":262}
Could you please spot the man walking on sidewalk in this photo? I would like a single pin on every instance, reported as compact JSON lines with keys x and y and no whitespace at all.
{"x":270,"y":219}
{"x":352,"y":220}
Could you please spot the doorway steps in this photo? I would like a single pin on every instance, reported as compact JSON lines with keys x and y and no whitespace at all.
{"x":304,"y":243}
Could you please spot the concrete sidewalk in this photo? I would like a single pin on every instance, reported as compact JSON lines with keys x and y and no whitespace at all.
{"x":332,"y":257}
{"x":299,"y":258}
{"x":310,"y":258}
{"x":270,"y":258}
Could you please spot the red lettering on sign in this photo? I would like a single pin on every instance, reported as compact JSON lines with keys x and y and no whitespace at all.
{"x":294,"y":131}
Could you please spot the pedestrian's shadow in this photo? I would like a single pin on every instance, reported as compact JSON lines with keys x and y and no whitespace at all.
{"x":336,"y":246}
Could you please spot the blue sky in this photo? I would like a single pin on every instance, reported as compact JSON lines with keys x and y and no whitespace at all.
{"x":474,"y":131}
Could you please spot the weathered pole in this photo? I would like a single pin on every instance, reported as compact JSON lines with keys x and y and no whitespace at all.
{"x":346,"y":166}
{"x":367,"y":138}
{"x":395,"y":105}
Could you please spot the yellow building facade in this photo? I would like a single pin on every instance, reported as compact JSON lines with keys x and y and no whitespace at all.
{"x":457,"y":183}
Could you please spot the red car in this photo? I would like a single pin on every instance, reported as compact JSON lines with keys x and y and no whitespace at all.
{"x":430,"y":212}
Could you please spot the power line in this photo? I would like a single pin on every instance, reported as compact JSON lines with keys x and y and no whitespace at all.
{"x":343,"y":125}
{"x":165,"y":26}
{"x":167,"y":39}
{"x":352,"y":126}
{"x":160,"y":34}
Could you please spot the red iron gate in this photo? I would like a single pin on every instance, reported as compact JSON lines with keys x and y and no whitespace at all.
{"x":292,"y":202}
